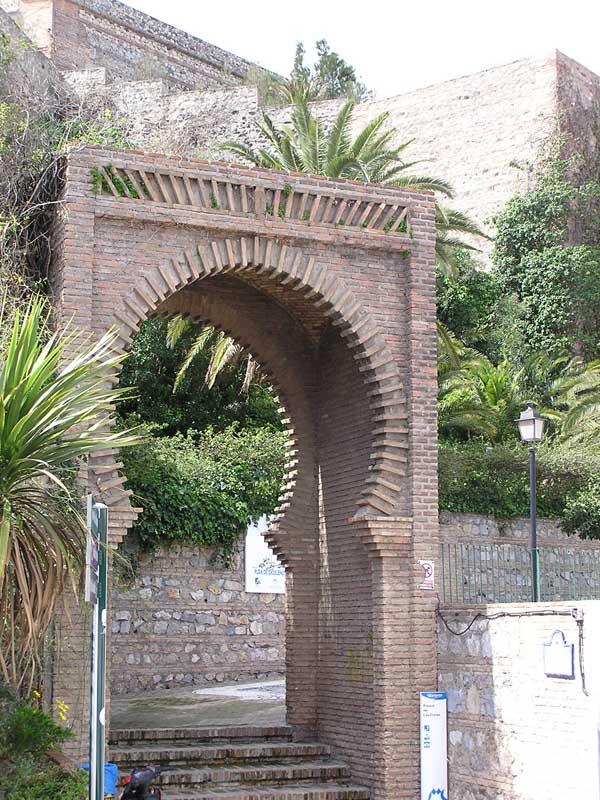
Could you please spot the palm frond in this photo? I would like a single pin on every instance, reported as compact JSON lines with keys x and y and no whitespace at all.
{"x":197,"y":346}
{"x":176,"y":328}
{"x":223,"y":353}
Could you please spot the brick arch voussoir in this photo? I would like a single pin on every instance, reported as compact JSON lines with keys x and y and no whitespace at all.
{"x":291,"y":267}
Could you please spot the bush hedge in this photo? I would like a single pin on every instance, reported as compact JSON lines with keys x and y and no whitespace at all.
{"x":474,"y":478}
{"x":27,"y":734}
{"x":204,"y":488}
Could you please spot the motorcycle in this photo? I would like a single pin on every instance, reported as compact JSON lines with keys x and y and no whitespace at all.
{"x":137,"y":786}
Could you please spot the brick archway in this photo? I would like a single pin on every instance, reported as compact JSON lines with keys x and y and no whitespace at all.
{"x":332,"y":287}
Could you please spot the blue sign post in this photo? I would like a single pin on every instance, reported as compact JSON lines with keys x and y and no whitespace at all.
{"x":434,"y":746}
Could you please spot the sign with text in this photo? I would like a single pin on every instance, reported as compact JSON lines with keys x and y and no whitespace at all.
{"x":434,"y":746}
{"x":264,"y":573}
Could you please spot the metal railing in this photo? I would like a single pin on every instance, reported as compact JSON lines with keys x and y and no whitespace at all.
{"x":501,"y":573}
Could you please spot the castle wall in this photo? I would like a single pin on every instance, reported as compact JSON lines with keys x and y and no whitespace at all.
{"x":131,"y":45}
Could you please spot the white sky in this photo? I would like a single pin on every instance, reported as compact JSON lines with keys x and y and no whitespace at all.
{"x":395,"y":46}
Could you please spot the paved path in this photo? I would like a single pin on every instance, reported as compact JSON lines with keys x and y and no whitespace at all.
{"x":238,"y":704}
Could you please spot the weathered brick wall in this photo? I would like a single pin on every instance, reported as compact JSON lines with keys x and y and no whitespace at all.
{"x":185,"y":619}
{"x":342,"y":318}
{"x":514,"y":733}
{"x":129,"y":44}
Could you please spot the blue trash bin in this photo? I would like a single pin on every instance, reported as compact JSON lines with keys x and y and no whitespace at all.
{"x":111,"y":776}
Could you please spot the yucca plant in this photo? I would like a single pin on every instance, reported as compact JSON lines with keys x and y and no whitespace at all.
{"x":53,"y":413}
{"x":371,"y":156}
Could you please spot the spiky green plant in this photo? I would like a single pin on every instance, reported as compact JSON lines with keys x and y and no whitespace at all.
{"x":371,"y":156}
{"x":578,"y":396}
{"x":53,"y":413}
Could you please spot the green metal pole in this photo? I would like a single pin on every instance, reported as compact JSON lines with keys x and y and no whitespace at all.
{"x":535,"y":556}
{"x":97,"y":722}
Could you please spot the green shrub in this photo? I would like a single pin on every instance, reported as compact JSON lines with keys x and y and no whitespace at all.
{"x":26,"y":730}
{"x":466,"y":301}
{"x":561,"y":297}
{"x":581,"y":513}
{"x":478,"y":479}
{"x":205,"y":487}
{"x":31,"y":781}
{"x":27,"y":734}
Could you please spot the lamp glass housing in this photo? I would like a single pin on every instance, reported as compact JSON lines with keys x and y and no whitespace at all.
{"x":531,"y":424}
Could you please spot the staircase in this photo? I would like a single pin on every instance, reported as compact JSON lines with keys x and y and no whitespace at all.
{"x":241,"y":763}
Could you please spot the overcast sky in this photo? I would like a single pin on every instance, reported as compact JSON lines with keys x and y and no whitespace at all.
{"x":395,"y":46}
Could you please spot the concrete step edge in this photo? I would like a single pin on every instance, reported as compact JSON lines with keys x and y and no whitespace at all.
{"x":208,"y":734}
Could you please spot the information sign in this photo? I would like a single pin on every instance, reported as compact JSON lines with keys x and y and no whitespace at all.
{"x":434,"y":746}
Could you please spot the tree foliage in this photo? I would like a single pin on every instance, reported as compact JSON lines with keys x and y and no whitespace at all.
{"x":177,"y":401}
{"x":205,"y":487}
{"x":546,"y":255}
{"x":330,"y":77}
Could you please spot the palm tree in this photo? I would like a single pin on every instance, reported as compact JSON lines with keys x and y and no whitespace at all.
{"x":223,"y":352}
{"x":475,"y":397}
{"x":578,"y":397}
{"x":52,"y":414}
{"x":460,"y":410}
{"x":371,"y":156}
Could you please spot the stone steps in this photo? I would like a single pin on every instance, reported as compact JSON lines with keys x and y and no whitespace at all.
{"x":257,"y":772}
{"x":188,"y":736}
{"x":293,"y":792}
{"x":236,"y":763}
{"x":208,"y":755}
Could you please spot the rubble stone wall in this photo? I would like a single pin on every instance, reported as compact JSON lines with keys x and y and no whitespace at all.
{"x":513,"y":732}
{"x":185,"y":619}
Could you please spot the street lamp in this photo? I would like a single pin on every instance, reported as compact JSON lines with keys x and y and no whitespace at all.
{"x":531,"y":429}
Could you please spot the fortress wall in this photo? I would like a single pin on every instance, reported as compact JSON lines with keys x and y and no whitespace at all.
{"x":129,"y":44}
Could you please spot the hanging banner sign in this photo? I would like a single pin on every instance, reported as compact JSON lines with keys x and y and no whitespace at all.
{"x":434,"y":746}
{"x":264,"y":573}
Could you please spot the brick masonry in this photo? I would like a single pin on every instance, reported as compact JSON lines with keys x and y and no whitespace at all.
{"x":185,"y":619}
{"x":342,"y":317}
{"x":514,"y":733}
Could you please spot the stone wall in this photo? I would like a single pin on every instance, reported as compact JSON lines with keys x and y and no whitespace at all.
{"x":27,"y":73}
{"x":481,"y":529}
{"x":186,"y":620}
{"x":473,"y":131}
{"x":514,"y":733}
{"x":79,"y":34}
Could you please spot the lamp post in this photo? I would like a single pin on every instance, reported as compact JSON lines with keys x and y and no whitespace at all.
{"x":531,"y":429}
